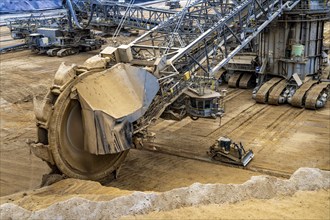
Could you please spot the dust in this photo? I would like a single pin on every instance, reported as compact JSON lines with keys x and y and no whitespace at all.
{"x":258,"y":187}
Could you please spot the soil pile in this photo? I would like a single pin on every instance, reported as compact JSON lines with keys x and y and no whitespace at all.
{"x":302,"y":205}
{"x":258,"y":187}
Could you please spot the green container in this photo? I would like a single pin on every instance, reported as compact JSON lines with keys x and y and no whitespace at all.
{"x":297,"y":50}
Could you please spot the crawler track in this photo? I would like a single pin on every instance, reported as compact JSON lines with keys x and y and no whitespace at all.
{"x":275,"y":93}
{"x":246,"y":81}
{"x":314,"y":93}
{"x":241,"y":80}
{"x":263,"y":92}
{"x":298,"y":99}
{"x":234,"y":79}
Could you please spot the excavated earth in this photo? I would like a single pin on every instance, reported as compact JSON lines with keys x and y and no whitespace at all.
{"x":137,"y":203}
{"x":177,"y":184}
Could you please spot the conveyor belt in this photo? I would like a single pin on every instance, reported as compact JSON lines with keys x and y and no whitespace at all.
{"x":233,"y":80}
{"x":314,"y":93}
{"x":276,"y":92}
{"x":262,"y":94}
{"x":299,"y":97}
{"x":246,"y":81}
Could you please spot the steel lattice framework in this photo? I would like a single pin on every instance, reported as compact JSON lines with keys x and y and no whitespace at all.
{"x":192,"y":39}
{"x":109,"y":13}
{"x":200,"y":40}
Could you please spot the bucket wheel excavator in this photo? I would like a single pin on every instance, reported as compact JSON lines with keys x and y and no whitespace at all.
{"x":95,"y":112}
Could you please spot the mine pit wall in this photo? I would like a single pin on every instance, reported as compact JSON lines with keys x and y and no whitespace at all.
{"x":304,"y":25}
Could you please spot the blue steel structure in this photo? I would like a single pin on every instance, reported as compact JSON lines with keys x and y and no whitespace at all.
{"x":19,"y":6}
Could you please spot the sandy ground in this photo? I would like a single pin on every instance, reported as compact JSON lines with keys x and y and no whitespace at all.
{"x":142,"y":171}
{"x":276,"y":134}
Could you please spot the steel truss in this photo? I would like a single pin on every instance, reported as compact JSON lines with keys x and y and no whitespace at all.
{"x":23,"y":26}
{"x":109,"y":13}
{"x":200,"y":47}
{"x":101,"y":14}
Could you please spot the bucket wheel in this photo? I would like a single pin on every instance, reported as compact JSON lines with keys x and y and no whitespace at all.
{"x":66,"y":141}
{"x":83,"y":131}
